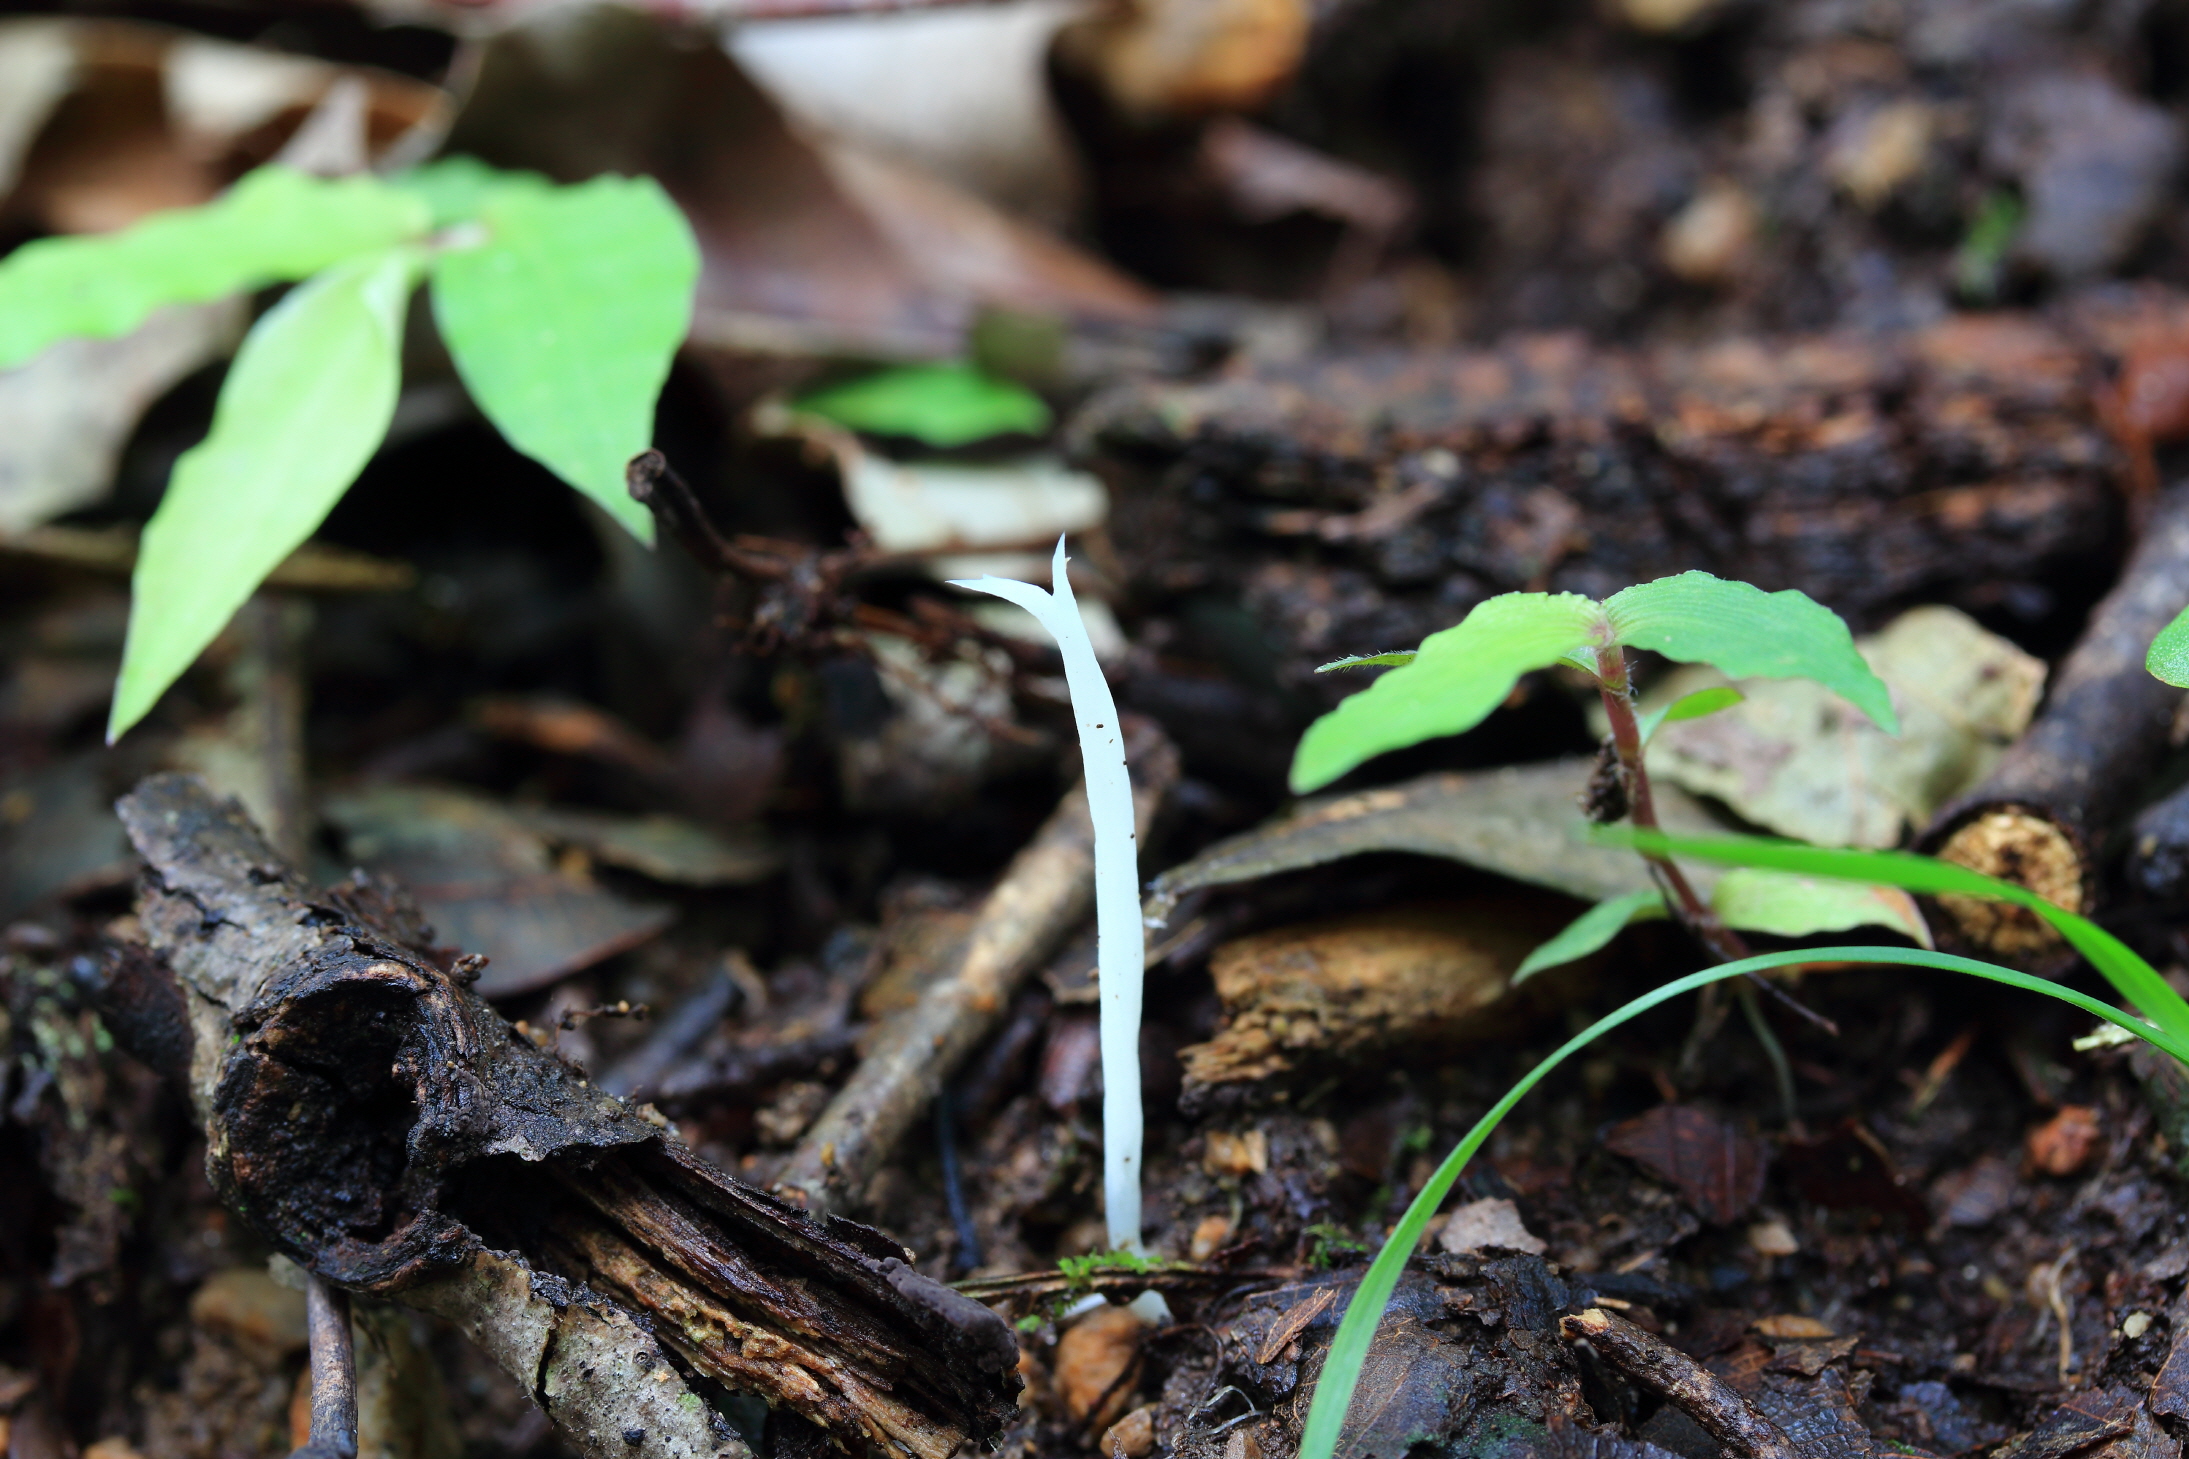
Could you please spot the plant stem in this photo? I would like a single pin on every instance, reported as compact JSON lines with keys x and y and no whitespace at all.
{"x":1626,"y":739}
{"x":1727,"y":945}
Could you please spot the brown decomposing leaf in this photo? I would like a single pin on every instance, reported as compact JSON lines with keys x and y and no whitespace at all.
{"x":2061,"y":1144}
{"x":1094,"y":1361}
{"x":1522,"y":821}
{"x":1849,"y":1168}
{"x":153,"y":118}
{"x":806,"y":246}
{"x":1719,"y":1169}
{"x":487,"y":878}
{"x":1360,"y":987}
{"x":379,"y":1123}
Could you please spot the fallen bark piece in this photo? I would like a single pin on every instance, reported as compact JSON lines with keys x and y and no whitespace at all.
{"x":1682,"y":1382}
{"x":375,"y":1120}
{"x":2041,"y":818}
{"x":1044,"y":893}
{"x":1345,"y":990}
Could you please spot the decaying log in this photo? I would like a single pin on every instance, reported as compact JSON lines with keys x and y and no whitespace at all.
{"x":2042,"y":816}
{"x":379,"y":1123}
{"x":1354,"y":503}
{"x":1045,"y":892}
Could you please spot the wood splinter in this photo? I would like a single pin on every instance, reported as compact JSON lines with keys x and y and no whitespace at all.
{"x":1682,"y":1382}
{"x":377,"y":1122}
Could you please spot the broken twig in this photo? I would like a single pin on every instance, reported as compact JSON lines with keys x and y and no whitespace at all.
{"x":334,"y":1373}
{"x":1682,"y":1382}
{"x":1044,"y":893}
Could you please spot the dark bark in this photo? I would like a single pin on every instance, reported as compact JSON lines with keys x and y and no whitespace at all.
{"x":378,"y":1122}
{"x":2043,"y":816}
{"x":1354,"y":503}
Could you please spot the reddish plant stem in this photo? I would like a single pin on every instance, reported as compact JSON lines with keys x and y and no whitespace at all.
{"x":1626,"y":739}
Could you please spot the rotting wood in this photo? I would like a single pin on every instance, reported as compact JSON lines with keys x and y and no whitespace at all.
{"x":1682,"y":1382}
{"x":1352,"y":503}
{"x":2042,"y":817}
{"x":376,"y":1121}
{"x":1044,"y":893}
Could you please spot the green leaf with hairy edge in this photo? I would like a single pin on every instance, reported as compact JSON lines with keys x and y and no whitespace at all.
{"x":1394,"y":659}
{"x":1341,"y":1369}
{"x":1457,"y":678}
{"x":1784,"y":905}
{"x":1747,"y":633}
{"x":1592,"y":930}
{"x":2168,"y":660}
{"x":2136,"y":980}
{"x":940,"y":405}
{"x":302,"y":410}
{"x":1698,"y":705}
{"x":274,"y":225}
{"x":564,"y":321}
{"x":459,"y":188}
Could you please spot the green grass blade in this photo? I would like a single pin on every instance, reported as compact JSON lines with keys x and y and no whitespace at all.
{"x":2168,"y":660}
{"x":1591,"y":930}
{"x":1458,"y":677}
{"x":273,"y":226}
{"x":303,"y":408}
{"x":1748,"y":633}
{"x":1341,"y":1369}
{"x":2137,"y":980}
{"x":564,"y":321}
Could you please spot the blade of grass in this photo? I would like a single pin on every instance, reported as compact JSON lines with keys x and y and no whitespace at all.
{"x":2136,"y":979}
{"x":1341,"y":1370}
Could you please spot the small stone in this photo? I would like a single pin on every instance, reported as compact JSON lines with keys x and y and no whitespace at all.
{"x":1772,"y":1238}
{"x":1091,"y":1358}
{"x":1788,"y":1327}
{"x":1131,"y":1437}
{"x":2061,"y":1144}
{"x":1874,"y":155}
{"x":1209,"y":1237}
{"x":1242,"y":1445}
{"x":1246,"y":1153}
{"x":1488,"y":1223}
{"x":1660,"y":17}
{"x":110,"y":1448}
{"x":248,"y":1306}
{"x":2135,"y":1325}
{"x":1709,"y":240}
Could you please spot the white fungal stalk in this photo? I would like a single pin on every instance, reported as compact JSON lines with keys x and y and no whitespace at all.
{"x":1119,"y":959}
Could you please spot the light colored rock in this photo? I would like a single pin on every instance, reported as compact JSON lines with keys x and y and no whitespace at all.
{"x":1486,"y":1224}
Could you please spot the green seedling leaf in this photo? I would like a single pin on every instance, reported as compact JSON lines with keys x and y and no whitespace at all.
{"x":940,"y":405}
{"x":1458,"y":677}
{"x":564,"y":320}
{"x":1746,"y":633}
{"x":1592,"y":930}
{"x":458,"y":189}
{"x":1341,"y":1370}
{"x":1800,"y":906}
{"x":303,"y":408}
{"x":1698,"y":705}
{"x":274,"y":225}
{"x":2136,"y":980}
{"x":2168,"y":660}
{"x":1394,"y":659}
